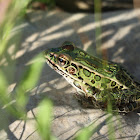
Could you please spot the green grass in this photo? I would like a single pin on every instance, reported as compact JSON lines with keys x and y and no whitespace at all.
{"x":13,"y":105}
{"x":44,"y":118}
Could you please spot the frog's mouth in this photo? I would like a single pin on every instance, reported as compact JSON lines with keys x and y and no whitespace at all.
{"x":51,"y":64}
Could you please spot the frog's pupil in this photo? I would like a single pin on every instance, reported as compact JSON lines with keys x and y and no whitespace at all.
{"x":61,"y":60}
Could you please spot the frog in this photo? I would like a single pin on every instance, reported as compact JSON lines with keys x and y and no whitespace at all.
{"x":99,"y":83}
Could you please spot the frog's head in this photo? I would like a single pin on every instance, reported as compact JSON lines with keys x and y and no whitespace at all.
{"x":60,"y":58}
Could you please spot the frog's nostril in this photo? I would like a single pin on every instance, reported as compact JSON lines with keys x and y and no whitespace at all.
{"x":51,"y":54}
{"x":45,"y":53}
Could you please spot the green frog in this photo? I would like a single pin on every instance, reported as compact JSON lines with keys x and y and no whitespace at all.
{"x":99,"y":83}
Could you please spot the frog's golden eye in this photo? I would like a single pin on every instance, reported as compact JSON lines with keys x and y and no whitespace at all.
{"x":62,"y":62}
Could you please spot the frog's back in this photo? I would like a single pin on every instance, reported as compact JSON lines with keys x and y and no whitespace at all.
{"x":106,"y":69}
{"x":103,"y":68}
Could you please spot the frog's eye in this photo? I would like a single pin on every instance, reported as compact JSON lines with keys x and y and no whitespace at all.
{"x":62,"y":61}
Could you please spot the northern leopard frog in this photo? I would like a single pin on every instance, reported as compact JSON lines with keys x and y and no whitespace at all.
{"x":97,"y":81}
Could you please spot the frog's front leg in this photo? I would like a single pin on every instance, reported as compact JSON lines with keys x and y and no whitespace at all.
{"x":87,"y":101}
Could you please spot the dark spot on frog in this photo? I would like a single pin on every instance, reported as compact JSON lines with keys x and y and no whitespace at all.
{"x":113,"y":83}
{"x":80,"y":78}
{"x":92,"y":81}
{"x":74,"y":65}
{"x":80,"y":67}
{"x":95,"y":90}
{"x":87,"y":84}
{"x":86,"y":72}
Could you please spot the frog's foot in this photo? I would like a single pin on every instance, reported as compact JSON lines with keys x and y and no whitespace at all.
{"x":87,"y":102}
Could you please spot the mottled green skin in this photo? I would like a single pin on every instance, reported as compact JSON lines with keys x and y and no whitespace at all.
{"x":97,"y":81}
